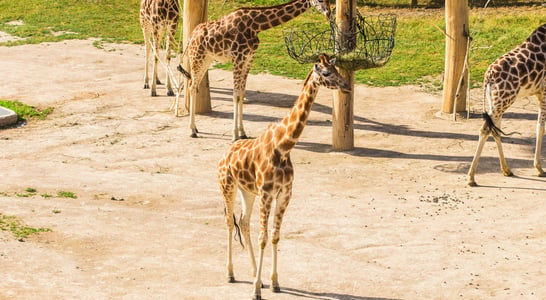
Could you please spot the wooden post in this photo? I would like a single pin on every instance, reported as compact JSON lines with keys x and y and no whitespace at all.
{"x":195,"y":12}
{"x":342,"y":112}
{"x":457,"y":30}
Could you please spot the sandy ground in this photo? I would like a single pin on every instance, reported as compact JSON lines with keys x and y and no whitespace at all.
{"x":392,"y":219}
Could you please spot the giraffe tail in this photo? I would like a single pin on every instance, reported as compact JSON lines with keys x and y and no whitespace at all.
{"x":184,"y":72}
{"x":237,"y":231}
{"x":494,"y":129}
{"x":488,"y":121}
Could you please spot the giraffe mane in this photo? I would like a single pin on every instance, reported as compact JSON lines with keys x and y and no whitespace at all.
{"x":307,"y":78}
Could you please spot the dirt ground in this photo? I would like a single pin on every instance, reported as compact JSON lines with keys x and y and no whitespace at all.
{"x":392,"y":219}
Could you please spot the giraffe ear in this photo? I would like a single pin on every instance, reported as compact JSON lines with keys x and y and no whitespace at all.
{"x":323,"y":58}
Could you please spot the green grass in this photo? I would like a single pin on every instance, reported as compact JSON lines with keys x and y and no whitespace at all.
{"x":24,"y":111}
{"x":17,"y":227}
{"x":65,"y":194}
{"x":418,"y":56}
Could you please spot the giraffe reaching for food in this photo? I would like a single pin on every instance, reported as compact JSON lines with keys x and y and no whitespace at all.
{"x":262,"y":167}
{"x":234,"y":38}
{"x":157,"y":18}
{"x":520,"y":72}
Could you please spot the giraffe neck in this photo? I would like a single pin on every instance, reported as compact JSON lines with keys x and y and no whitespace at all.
{"x":289,"y":130}
{"x":268,"y":17}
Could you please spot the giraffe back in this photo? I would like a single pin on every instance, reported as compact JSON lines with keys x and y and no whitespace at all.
{"x":159,"y":15}
{"x":522,"y":70}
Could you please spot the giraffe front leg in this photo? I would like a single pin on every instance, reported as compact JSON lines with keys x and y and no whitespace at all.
{"x":240,"y":74}
{"x":258,"y":279}
{"x":238,"y":129}
{"x":148,"y":47}
{"x":170,"y":38}
{"x":155,"y":80}
{"x":282,"y":203}
{"x":193,"y":95}
{"x":265,"y":208}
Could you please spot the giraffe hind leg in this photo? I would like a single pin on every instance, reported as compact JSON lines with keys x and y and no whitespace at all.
{"x":228,"y":193}
{"x":540,"y":132}
{"x":496,"y":133}
{"x":247,"y":204}
{"x":484,"y":134}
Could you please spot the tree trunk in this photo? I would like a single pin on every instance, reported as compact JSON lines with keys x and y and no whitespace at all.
{"x":195,"y":12}
{"x":342,"y":112}
{"x":456,"y":75}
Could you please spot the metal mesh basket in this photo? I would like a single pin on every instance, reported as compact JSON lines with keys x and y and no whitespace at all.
{"x":369,"y":45}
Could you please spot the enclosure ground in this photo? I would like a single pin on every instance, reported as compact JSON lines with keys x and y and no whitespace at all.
{"x":391,"y":219}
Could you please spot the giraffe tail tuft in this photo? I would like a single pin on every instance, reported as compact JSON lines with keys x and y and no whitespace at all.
{"x":184,"y":72}
{"x":494,"y":129}
{"x":237,"y":231}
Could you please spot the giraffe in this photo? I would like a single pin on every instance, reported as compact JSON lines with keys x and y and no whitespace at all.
{"x":262,"y":167}
{"x":158,"y":17}
{"x":518,"y":73}
{"x":234,"y":38}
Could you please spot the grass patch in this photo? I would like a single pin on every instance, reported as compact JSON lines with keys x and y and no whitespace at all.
{"x":25,"y":112}
{"x":17,"y":227}
{"x":418,"y":56}
{"x":65,"y":194}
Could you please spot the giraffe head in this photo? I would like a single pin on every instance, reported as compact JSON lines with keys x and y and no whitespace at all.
{"x":323,"y":6}
{"x":326,"y":74}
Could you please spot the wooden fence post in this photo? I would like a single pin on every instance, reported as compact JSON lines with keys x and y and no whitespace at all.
{"x":195,"y":12}
{"x":457,"y":30}
{"x":342,"y":112}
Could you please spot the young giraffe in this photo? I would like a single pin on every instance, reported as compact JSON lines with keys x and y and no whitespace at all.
{"x":262,"y":167}
{"x":158,"y":17}
{"x":518,"y":73}
{"x":234,"y":38}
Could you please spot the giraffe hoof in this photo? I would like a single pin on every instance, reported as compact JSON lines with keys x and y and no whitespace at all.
{"x":508,"y":174}
{"x":170,"y":93}
{"x":275,"y":289}
{"x":194,"y":135}
{"x":146,"y":86}
{"x":231,"y":279}
{"x":472,"y":183}
{"x":542,"y":174}
{"x":158,"y":82}
{"x":257,"y":297}
{"x":153,"y":94}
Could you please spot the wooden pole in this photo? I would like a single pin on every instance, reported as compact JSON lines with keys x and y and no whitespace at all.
{"x":457,"y":29}
{"x":195,"y":12}
{"x":342,"y":112}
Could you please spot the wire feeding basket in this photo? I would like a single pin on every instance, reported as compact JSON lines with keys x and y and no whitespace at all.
{"x":369,"y":45}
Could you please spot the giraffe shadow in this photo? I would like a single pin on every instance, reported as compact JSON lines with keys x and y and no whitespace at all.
{"x":449,"y":163}
{"x":360,"y":123}
{"x":320,"y":296}
{"x":327,"y":296}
